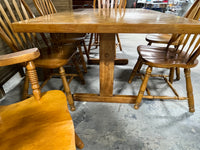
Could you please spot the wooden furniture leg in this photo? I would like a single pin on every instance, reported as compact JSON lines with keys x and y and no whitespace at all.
{"x":177,"y":73}
{"x":106,"y":75}
{"x":82,"y":58}
{"x":119,"y":42}
{"x":189,"y":90}
{"x":25,"y":87}
{"x":136,"y":69}
{"x":80,"y":74}
{"x":79,"y":142}
{"x":171,"y":75}
{"x":143,"y":87}
{"x":107,"y":57}
{"x":67,"y":89}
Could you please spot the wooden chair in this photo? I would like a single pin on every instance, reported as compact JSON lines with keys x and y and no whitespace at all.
{"x":183,"y":56}
{"x":40,"y":122}
{"x":52,"y":57}
{"x":164,"y":38}
{"x":102,"y":4}
{"x":46,"y":7}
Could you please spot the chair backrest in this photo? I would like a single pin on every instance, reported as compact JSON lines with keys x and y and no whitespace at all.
{"x":189,"y":47}
{"x":109,"y":4}
{"x":194,"y":11}
{"x":45,"y":7}
{"x":12,"y":11}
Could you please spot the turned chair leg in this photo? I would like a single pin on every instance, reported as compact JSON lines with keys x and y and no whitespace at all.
{"x":82,"y":58}
{"x":136,"y":69}
{"x":177,"y":73}
{"x":189,"y":90}
{"x":119,"y":42}
{"x":143,"y":87}
{"x":25,"y":87}
{"x":79,"y":142}
{"x":67,"y":89}
{"x":171,"y":75}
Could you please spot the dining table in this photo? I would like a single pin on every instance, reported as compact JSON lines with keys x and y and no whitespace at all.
{"x":108,"y":22}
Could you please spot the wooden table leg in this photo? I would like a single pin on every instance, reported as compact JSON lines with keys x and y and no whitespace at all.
{"x":106,"y":69}
{"x":106,"y":75}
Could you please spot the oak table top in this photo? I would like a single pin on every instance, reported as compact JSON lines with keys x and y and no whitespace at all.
{"x":107,"y":22}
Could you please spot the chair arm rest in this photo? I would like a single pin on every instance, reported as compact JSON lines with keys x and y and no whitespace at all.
{"x":19,"y":57}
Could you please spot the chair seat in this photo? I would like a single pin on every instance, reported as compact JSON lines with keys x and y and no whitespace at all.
{"x":37,"y":125}
{"x":160,"y":38}
{"x":55,"y":57}
{"x":159,"y":57}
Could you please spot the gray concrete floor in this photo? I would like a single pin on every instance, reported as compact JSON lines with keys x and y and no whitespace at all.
{"x":157,"y":125}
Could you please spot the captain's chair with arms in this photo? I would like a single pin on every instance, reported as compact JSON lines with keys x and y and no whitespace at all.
{"x":41,"y":122}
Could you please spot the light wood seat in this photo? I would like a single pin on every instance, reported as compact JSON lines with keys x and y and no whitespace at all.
{"x":159,"y":57}
{"x":39,"y":122}
{"x":159,"y":38}
{"x":46,"y":7}
{"x":53,"y":55}
{"x":183,"y":56}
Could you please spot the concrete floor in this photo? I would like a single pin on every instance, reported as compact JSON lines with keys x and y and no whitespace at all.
{"x":157,"y":125}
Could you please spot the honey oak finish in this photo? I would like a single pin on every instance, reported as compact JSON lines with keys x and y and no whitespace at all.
{"x":183,"y":56}
{"x":107,"y":23}
{"x":192,"y":13}
{"x":40,"y":122}
{"x":106,"y":4}
{"x":53,"y":56}
{"x":46,"y":7}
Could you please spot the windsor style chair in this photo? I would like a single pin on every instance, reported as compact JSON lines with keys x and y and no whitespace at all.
{"x":164,"y":38}
{"x":102,"y":4}
{"x":40,"y":122}
{"x":46,"y":7}
{"x":52,"y":56}
{"x":183,"y":56}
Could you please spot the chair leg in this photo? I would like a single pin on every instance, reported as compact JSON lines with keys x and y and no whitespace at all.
{"x":149,"y":43}
{"x":25,"y":87}
{"x":82,"y":58}
{"x":86,"y":51}
{"x":136,"y":69}
{"x":177,"y":73}
{"x":78,"y":70}
{"x":67,"y":88}
{"x":189,"y":90}
{"x":118,"y":40}
{"x":171,"y":75}
{"x":143,"y":87}
{"x":90,"y":43}
{"x":96,"y":39}
{"x":79,"y":142}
